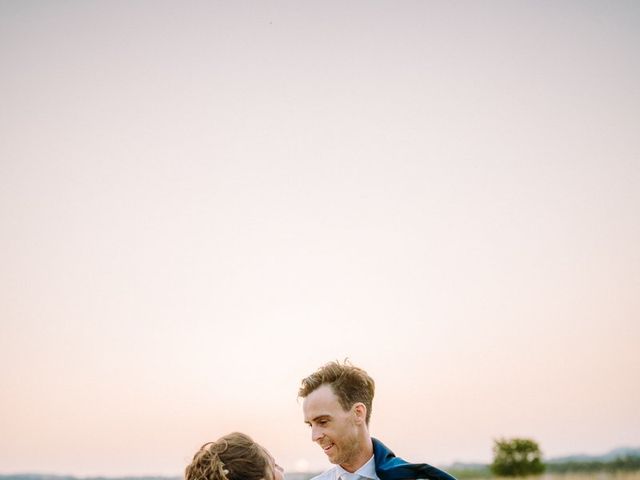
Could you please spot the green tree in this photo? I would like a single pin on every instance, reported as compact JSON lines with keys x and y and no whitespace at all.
{"x":516,"y":457}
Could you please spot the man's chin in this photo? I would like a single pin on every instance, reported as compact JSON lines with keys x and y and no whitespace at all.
{"x":334,"y":458}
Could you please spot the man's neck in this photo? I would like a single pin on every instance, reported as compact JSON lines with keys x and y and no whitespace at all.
{"x":361,"y":457}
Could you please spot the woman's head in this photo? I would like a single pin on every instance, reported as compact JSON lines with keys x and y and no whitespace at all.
{"x":233,"y":457}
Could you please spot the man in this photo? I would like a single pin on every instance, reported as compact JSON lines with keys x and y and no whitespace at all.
{"x":337,"y":407}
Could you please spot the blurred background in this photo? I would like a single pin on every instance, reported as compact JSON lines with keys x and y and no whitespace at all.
{"x":202,"y":202}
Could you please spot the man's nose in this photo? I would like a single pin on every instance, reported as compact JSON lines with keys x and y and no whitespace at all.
{"x":315,"y":434}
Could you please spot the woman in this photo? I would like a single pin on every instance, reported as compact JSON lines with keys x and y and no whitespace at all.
{"x":233,"y":457}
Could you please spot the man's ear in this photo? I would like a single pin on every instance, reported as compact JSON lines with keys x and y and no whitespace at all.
{"x":360,"y":411}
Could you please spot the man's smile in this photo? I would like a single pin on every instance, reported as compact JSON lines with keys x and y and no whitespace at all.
{"x":328,"y":447}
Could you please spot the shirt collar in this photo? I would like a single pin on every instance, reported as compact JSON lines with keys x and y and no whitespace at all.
{"x":368,"y":470}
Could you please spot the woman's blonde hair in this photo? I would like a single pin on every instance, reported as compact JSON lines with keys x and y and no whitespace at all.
{"x":233,"y":457}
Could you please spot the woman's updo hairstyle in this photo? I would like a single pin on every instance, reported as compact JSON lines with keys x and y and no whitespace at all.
{"x":233,"y":457}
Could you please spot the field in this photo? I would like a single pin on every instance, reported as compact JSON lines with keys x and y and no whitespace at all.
{"x":584,"y":476}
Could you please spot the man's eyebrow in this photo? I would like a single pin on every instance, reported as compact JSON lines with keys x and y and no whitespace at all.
{"x":319,"y":417}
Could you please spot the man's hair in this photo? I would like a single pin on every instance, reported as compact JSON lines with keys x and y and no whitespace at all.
{"x":350,"y":384}
{"x":233,"y":457}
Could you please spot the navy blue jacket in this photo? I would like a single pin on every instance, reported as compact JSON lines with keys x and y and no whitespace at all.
{"x":390,"y":467}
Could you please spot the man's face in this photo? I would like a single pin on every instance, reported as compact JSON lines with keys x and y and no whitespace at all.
{"x":333,"y":428}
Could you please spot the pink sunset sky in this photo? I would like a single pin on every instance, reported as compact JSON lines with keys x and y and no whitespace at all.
{"x":202,"y":202}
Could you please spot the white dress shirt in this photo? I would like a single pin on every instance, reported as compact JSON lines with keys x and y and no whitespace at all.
{"x":366,"y":471}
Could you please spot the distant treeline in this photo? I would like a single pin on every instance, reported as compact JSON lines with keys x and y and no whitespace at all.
{"x":621,"y":464}
{"x":467,"y":473}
